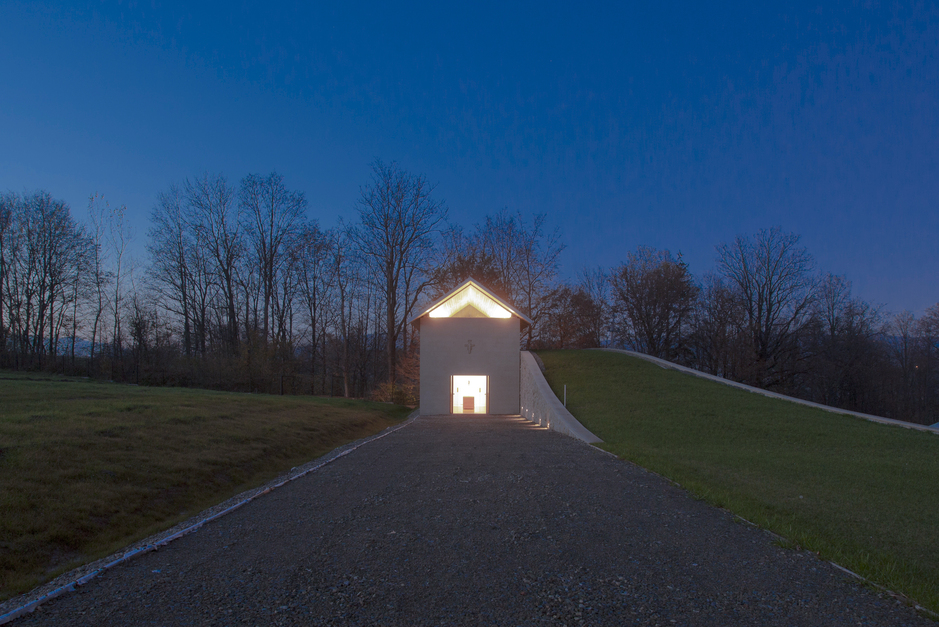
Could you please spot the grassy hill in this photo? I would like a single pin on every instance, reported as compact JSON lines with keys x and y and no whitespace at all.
{"x":88,"y":467}
{"x":861,"y":494}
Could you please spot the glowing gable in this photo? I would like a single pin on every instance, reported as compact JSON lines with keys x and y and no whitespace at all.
{"x":469,"y":296}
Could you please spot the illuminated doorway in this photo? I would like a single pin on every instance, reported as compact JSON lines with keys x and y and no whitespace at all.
{"x":470,"y":394}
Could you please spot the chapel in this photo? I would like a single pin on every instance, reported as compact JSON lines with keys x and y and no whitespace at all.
{"x":469,"y":356}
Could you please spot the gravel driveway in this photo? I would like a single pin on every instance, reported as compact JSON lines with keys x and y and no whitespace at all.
{"x":475,"y":520}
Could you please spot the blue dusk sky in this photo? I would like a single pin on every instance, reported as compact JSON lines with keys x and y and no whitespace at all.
{"x":676,"y":125}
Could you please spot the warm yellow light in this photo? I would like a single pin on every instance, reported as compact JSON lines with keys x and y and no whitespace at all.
{"x":480,"y":382}
{"x":470,"y":296}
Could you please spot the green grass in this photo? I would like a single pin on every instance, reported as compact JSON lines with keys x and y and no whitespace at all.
{"x":861,"y":494}
{"x":86,"y":468}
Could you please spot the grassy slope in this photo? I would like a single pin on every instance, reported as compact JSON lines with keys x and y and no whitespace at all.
{"x":86,"y":468}
{"x":864,"y":495}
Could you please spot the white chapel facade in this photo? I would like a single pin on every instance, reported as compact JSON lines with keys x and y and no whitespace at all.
{"x":469,"y":360}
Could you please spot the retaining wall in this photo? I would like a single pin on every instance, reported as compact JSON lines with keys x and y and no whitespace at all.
{"x":539,"y":404}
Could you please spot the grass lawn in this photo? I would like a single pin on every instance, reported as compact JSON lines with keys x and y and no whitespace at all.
{"x":88,"y":467}
{"x":861,"y":494}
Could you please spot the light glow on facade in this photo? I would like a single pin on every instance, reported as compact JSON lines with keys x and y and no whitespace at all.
{"x":470,"y":394}
{"x":469,"y":296}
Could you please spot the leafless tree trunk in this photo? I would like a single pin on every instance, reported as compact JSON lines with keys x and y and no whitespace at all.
{"x":398,"y":218}
{"x":655,"y":294}
{"x":526,"y":258}
{"x":215,"y":224}
{"x":7,"y":205}
{"x":460,"y":257}
{"x":929,"y":331}
{"x":499,"y":238}
{"x":595,"y":284}
{"x":539,"y":255}
{"x":119,"y":236}
{"x":272,"y":216}
{"x":842,"y":348}
{"x":41,"y":247}
{"x":100,"y":277}
{"x":718,"y":318}
{"x":316,"y":279}
{"x":773,"y":277}
{"x":346,"y":283}
{"x":904,"y":344}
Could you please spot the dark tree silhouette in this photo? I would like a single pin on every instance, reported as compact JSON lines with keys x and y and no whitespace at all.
{"x":398,"y":218}
{"x":772,"y":276}
{"x":654,"y":294}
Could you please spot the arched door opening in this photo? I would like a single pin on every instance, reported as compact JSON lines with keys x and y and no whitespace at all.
{"x":470,"y":394}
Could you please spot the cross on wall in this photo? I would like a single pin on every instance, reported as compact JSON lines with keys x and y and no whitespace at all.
{"x":469,"y":347}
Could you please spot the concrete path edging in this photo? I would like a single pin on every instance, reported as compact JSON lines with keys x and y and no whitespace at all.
{"x":749,"y":388}
{"x":538,"y":403}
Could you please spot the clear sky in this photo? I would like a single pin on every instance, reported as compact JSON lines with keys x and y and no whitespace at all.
{"x":675,"y":125}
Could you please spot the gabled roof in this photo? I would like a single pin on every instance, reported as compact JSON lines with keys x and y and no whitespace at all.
{"x":470,"y":300}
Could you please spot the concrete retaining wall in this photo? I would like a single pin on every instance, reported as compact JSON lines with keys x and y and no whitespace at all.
{"x":539,"y":404}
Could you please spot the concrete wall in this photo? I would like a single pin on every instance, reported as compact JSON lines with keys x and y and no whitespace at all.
{"x":540,"y":404}
{"x":444,"y":354}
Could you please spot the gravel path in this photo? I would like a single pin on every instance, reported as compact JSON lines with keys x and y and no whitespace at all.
{"x":476,"y":520}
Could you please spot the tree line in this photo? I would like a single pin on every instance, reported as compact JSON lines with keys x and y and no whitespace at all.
{"x":766,"y":317}
{"x":242,"y":291}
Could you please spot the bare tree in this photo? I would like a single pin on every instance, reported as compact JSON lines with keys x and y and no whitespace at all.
{"x":844,"y":348}
{"x":42,"y":248}
{"x":317,"y":278}
{"x":773,"y":277}
{"x":904,"y":345}
{"x":524,"y":258}
{"x":119,"y":235}
{"x":272,"y":216}
{"x":66,"y":267}
{"x":169,"y":269}
{"x":398,"y":218}
{"x":202,"y":291}
{"x":497,"y":242}
{"x":571,"y":321}
{"x":7,"y":207}
{"x":655,"y":294}
{"x":348,"y":278}
{"x":51,"y":234}
{"x":100,"y":277}
{"x":718,"y":317}
{"x":213,"y":219}
{"x":515,"y":259}
{"x":596,"y":314}
{"x":285,"y":289}
{"x":539,"y":254}
{"x":912,"y":346}
{"x":928,"y":326}
{"x":18,"y":277}
{"x":459,"y":257}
